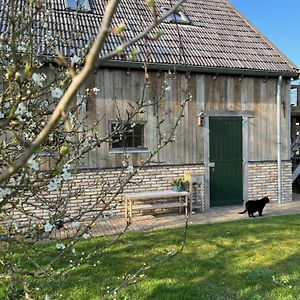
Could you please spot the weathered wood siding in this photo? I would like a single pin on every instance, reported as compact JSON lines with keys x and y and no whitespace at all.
{"x":209,"y":93}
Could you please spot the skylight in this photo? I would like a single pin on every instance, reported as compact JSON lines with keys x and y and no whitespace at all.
{"x":177,"y":17}
{"x":78,"y":4}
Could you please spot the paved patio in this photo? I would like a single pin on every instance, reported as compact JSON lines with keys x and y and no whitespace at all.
{"x":214,"y":215}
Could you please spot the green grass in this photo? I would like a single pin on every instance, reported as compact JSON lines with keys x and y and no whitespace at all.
{"x":250,"y":259}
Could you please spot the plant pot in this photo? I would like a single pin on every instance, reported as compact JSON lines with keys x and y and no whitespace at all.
{"x":178,"y":188}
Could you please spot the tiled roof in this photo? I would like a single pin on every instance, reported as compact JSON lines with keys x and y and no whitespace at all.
{"x":217,"y":37}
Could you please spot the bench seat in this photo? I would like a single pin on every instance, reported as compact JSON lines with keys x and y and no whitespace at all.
{"x":131,"y":199}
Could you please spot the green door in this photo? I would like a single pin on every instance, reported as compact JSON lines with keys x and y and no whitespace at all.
{"x":225,"y":161}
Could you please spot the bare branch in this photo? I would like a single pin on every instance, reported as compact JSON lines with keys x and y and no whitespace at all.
{"x":79,"y":79}
{"x":69,"y":94}
{"x":141,"y":35}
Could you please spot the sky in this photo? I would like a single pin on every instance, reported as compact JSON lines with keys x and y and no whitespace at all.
{"x":278,"y":20}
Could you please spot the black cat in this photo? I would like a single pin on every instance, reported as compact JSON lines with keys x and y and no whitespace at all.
{"x":253,"y":206}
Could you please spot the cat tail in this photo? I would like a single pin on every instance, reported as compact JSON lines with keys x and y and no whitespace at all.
{"x":242,"y":212}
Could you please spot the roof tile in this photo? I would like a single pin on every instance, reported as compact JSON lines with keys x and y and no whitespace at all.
{"x":218,"y":36}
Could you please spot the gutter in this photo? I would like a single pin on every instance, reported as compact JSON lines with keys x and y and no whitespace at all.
{"x":201,"y":69}
{"x":279,"y":157}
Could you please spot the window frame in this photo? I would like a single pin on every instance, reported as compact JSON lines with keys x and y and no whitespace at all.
{"x":86,"y":7}
{"x":138,"y":149}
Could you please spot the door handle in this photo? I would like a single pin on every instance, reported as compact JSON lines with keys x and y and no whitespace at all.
{"x":211,"y":164}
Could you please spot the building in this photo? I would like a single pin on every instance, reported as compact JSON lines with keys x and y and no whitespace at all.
{"x":234,"y":75}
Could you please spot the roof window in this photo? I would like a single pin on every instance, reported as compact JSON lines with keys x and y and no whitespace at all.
{"x":82,"y":5}
{"x":176,"y":17}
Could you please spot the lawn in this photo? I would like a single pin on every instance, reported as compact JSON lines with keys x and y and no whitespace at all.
{"x":249,"y":259}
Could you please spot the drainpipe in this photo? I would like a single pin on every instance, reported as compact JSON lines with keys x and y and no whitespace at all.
{"x":279,"y":158}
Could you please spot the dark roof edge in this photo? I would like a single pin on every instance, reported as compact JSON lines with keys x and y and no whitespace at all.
{"x":201,"y":69}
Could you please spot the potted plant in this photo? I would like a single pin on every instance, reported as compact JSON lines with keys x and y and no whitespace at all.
{"x":178,"y":184}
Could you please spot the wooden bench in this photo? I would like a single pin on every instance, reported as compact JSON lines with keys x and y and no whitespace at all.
{"x":131,"y":198}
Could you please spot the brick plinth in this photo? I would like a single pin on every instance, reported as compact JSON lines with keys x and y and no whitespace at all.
{"x":262,"y":181}
{"x":87,"y":188}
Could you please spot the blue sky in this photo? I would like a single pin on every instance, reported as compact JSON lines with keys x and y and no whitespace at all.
{"x":278,"y":20}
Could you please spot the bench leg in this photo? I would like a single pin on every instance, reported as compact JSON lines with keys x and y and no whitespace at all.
{"x":186,"y":205}
{"x":130,"y":209}
{"x":126,"y":209}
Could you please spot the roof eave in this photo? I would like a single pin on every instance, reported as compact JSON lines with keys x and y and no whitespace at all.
{"x":203,"y":69}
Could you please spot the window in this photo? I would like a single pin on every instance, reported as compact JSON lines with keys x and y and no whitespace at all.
{"x":130,"y":137}
{"x":176,"y":17}
{"x":78,"y":5}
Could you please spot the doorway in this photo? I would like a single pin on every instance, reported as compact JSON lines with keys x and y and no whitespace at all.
{"x":225,"y":161}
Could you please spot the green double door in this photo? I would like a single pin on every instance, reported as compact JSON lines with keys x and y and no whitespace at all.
{"x":225,"y":161}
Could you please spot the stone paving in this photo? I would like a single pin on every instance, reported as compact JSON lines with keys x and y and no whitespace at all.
{"x":213,"y":215}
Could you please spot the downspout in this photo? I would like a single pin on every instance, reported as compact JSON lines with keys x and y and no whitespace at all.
{"x":279,"y":158}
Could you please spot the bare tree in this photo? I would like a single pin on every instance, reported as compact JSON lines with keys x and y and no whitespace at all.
{"x":44,"y":139}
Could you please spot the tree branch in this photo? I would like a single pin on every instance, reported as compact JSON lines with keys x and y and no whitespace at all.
{"x":78,"y":81}
{"x":141,"y":35}
{"x":69,"y":94}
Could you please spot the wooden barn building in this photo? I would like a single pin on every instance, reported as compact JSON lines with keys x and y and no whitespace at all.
{"x":236,"y":130}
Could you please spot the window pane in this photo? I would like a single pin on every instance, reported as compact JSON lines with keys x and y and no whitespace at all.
{"x":80,"y":4}
{"x":176,"y":17}
{"x":72,"y":4}
{"x":129,"y":142}
{"x":139,"y":130}
{"x":117,"y":142}
{"x":132,"y":137}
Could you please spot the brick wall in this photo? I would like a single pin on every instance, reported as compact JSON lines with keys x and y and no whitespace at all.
{"x":87,"y":188}
{"x":262,"y":181}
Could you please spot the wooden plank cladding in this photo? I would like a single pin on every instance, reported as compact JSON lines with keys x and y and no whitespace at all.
{"x":252,"y":97}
